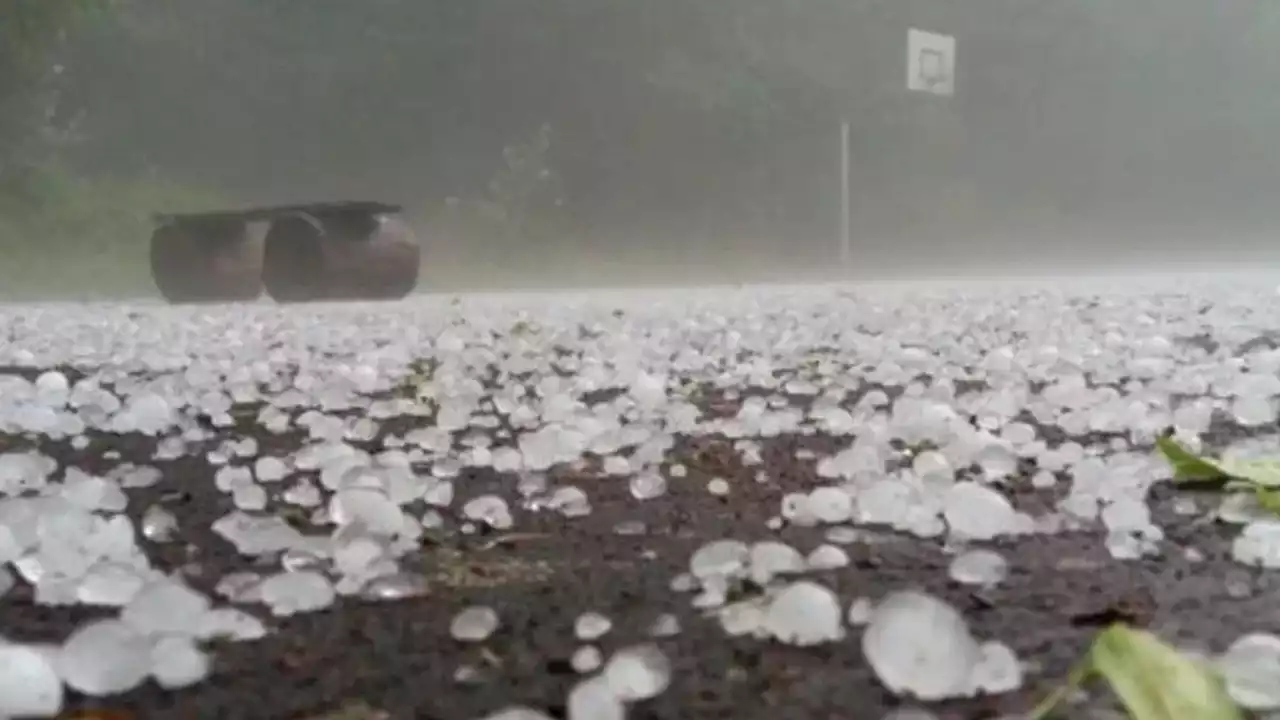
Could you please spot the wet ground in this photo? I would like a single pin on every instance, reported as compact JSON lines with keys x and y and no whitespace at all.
{"x":361,"y":660}
{"x":365,"y":660}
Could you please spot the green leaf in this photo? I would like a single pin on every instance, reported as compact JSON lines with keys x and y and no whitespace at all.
{"x":1260,"y":472}
{"x":1156,"y":682}
{"x":1187,"y":466}
{"x":1269,"y":500}
{"x":1045,"y":708}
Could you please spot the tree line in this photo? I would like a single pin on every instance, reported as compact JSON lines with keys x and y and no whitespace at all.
{"x":663,"y":117}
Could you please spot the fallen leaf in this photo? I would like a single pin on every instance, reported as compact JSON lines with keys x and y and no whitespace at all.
{"x":1155,"y":681}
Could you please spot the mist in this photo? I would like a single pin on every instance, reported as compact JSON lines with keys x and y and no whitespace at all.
{"x":610,"y":141}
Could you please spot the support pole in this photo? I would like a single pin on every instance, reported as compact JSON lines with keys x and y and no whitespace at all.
{"x":846,"y":250}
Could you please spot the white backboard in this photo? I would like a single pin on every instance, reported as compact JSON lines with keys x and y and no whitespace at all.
{"x":931,"y":62}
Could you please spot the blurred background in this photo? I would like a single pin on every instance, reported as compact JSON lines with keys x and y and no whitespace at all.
{"x":608,"y":141}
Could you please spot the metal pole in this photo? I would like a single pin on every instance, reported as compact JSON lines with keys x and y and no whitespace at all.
{"x":845,"y":247}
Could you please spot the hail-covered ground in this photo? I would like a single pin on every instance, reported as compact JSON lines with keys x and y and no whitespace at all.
{"x":828,"y":502}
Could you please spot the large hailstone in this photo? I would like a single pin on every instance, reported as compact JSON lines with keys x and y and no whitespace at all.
{"x":105,"y":657}
{"x":29,"y":682}
{"x":919,"y":645}
{"x":1251,"y":670}
{"x":805,"y":613}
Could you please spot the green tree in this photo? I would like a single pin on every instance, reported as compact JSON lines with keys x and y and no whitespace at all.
{"x":31,"y":36}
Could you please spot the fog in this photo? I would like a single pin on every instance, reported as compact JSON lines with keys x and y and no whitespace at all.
{"x":612,"y":141}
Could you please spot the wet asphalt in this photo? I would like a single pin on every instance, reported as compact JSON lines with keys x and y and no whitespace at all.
{"x":362,"y":660}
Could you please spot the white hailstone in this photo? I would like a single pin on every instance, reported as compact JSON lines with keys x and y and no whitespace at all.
{"x":843,"y":535}
{"x":357,"y":554}
{"x":743,"y":618}
{"x":269,"y":469}
{"x":860,"y":611}
{"x":724,"y":558}
{"x":630,"y":527}
{"x":591,"y":626}
{"x":490,"y":510}
{"x":1043,"y":480}
{"x":1253,"y":410}
{"x":648,"y":485}
{"x":921,"y":646}
{"x":998,"y":670}
{"x":770,"y":558}
{"x":586,"y":659}
{"x":29,"y":682}
{"x":639,"y":672}
{"x":1258,"y":544}
{"x":517,"y":712}
{"x":978,"y":512}
{"x":570,"y":501}
{"x":177,"y":662}
{"x":827,"y":557}
{"x":53,"y":386}
{"x":432,"y":520}
{"x":254,"y":535}
{"x":395,"y":586}
{"x":367,"y":506}
{"x":147,"y":413}
{"x":1251,"y":670}
{"x":804,"y":613}
{"x":232,"y":476}
{"x":93,"y":493}
{"x":245,"y":447}
{"x":831,"y":505}
{"x":979,"y":567}
{"x":616,"y":466}
{"x":649,"y":391}
{"x":474,"y":624}
{"x":110,"y":583}
{"x":665,"y":625}
{"x":997,"y":461}
{"x":594,"y":699}
{"x":798,"y":510}
{"x":165,"y":606}
{"x":249,"y":497}
{"x":1018,"y":433}
{"x":885,"y":502}
{"x":231,"y":624}
{"x":291,"y":593}
{"x":104,"y":657}
{"x":158,"y":524}
{"x":932,"y":465}
{"x":1239,"y":509}
{"x":239,"y":587}
{"x":138,"y":477}
{"x":303,"y":494}
{"x":304,"y":558}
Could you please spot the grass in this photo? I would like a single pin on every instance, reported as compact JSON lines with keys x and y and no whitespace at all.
{"x":69,"y":238}
{"x":598,"y":264}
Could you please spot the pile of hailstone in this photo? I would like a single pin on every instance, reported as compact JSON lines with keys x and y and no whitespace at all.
{"x":917,"y":644}
{"x":631,"y":675}
{"x":72,"y":543}
{"x":156,"y":637}
{"x":999,"y":366}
